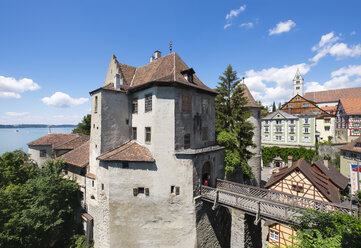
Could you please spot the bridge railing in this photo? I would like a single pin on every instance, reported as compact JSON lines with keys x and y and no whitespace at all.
{"x":260,"y":207}
{"x":284,"y":198}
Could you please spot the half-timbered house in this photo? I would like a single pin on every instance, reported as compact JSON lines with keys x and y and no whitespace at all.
{"x":348,"y":119}
{"x":320,"y":181}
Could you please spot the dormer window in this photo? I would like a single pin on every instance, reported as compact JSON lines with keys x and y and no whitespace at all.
{"x":188,"y":74}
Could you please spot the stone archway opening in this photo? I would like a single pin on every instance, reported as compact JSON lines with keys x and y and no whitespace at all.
{"x":206,"y":173}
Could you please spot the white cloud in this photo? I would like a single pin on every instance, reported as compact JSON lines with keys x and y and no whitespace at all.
{"x":247,"y":25}
{"x":10,"y":87}
{"x":353,"y":32}
{"x":227,"y":25}
{"x":16,"y":113}
{"x":328,"y":45}
{"x":282,"y":27}
{"x":4,"y":94}
{"x":62,"y":100}
{"x":274,"y":84}
{"x":351,"y":70}
{"x":235,"y":12}
{"x":344,"y":77}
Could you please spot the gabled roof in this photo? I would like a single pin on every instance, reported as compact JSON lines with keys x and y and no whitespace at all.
{"x":301,"y":110}
{"x":251,"y":102}
{"x":53,"y":139}
{"x":284,"y":114}
{"x":166,"y":70}
{"x":73,"y":143}
{"x":320,"y":181}
{"x":352,"y":106}
{"x":352,"y":146}
{"x":79,"y":156}
{"x":333,"y":95}
{"x":332,"y":173}
{"x":130,"y":151}
{"x":330,"y":109}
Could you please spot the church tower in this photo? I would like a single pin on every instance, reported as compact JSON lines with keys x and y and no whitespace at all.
{"x":298,"y":84}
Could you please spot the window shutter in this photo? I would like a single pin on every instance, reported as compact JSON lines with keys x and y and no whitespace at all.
{"x":303,"y":130}
{"x":135,"y":191}
{"x":177,"y":189}
{"x":147,"y":191}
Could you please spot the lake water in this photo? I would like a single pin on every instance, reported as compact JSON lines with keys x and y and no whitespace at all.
{"x":17,"y":138}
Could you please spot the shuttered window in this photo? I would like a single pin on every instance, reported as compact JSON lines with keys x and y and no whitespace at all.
{"x":186,"y":104}
{"x":135,"y":106}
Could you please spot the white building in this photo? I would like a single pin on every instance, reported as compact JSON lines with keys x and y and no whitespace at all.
{"x":152,"y":143}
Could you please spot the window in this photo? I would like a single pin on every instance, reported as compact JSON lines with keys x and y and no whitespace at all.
{"x":187,"y":141}
{"x":298,"y":188}
{"x":190,"y":78}
{"x":297,"y":88}
{"x":297,"y":82}
{"x":306,"y":130}
{"x":102,"y":186}
{"x":174,"y":190}
{"x":125,"y":165}
{"x":135,"y":106}
{"x":126,"y":121}
{"x":278,"y":122}
{"x":96,"y":105}
{"x":292,"y":138}
{"x":290,"y":105}
{"x":306,"y":121}
{"x":279,"y":130}
{"x":327,"y":120}
{"x":140,"y":190}
{"x":134,"y":133}
{"x":298,"y":99}
{"x":205,"y":133}
{"x":292,"y":129}
{"x":327,"y":128}
{"x":266,"y":129}
{"x":274,"y":235}
{"x":292,"y":122}
{"x":306,"y":139}
{"x":186,"y":104}
{"x":42,"y":153}
{"x":266,"y":122}
{"x":305,"y":105}
{"x":148,"y":135}
{"x":266,"y":137}
{"x":93,"y":183}
{"x":279,"y":138}
{"x":148,"y":103}
{"x":204,"y":106}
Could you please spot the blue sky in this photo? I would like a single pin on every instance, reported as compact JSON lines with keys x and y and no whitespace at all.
{"x":52,"y":53}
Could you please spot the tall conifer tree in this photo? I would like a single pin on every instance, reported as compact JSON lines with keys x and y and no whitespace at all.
{"x":232,"y":128}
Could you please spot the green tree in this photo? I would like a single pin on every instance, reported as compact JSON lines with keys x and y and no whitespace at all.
{"x":279,"y":105}
{"x":326,"y":230}
{"x":83,"y":126}
{"x":232,"y":128}
{"x":274,"y":107}
{"x":38,"y":210}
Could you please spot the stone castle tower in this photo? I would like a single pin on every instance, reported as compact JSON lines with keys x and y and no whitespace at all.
{"x":298,"y":84}
{"x":152,"y":144}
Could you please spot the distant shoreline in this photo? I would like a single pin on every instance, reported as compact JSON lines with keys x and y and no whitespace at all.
{"x":36,"y":126}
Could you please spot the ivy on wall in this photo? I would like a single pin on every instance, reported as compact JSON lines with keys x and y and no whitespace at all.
{"x":268,"y":153}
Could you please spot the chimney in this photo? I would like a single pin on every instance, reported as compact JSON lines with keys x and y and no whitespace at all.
{"x":117,"y":82}
{"x":289,"y":161}
{"x":325,"y":162}
{"x":152,"y":59}
{"x":157,"y":54}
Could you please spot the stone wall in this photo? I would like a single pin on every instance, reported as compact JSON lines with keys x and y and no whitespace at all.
{"x":34,"y":152}
{"x":213,"y":226}
{"x":329,"y":150}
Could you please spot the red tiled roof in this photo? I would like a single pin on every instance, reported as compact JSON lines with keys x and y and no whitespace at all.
{"x":352,"y":106}
{"x":333,"y":95}
{"x":71,"y":144}
{"x":164,"y":70}
{"x":130,"y":151}
{"x":352,"y":146}
{"x":330,"y":109}
{"x":320,"y":181}
{"x":332,"y":173}
{"x":251,"y":102}
{"x":79,"y":156}
{"x":53,"y":139}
